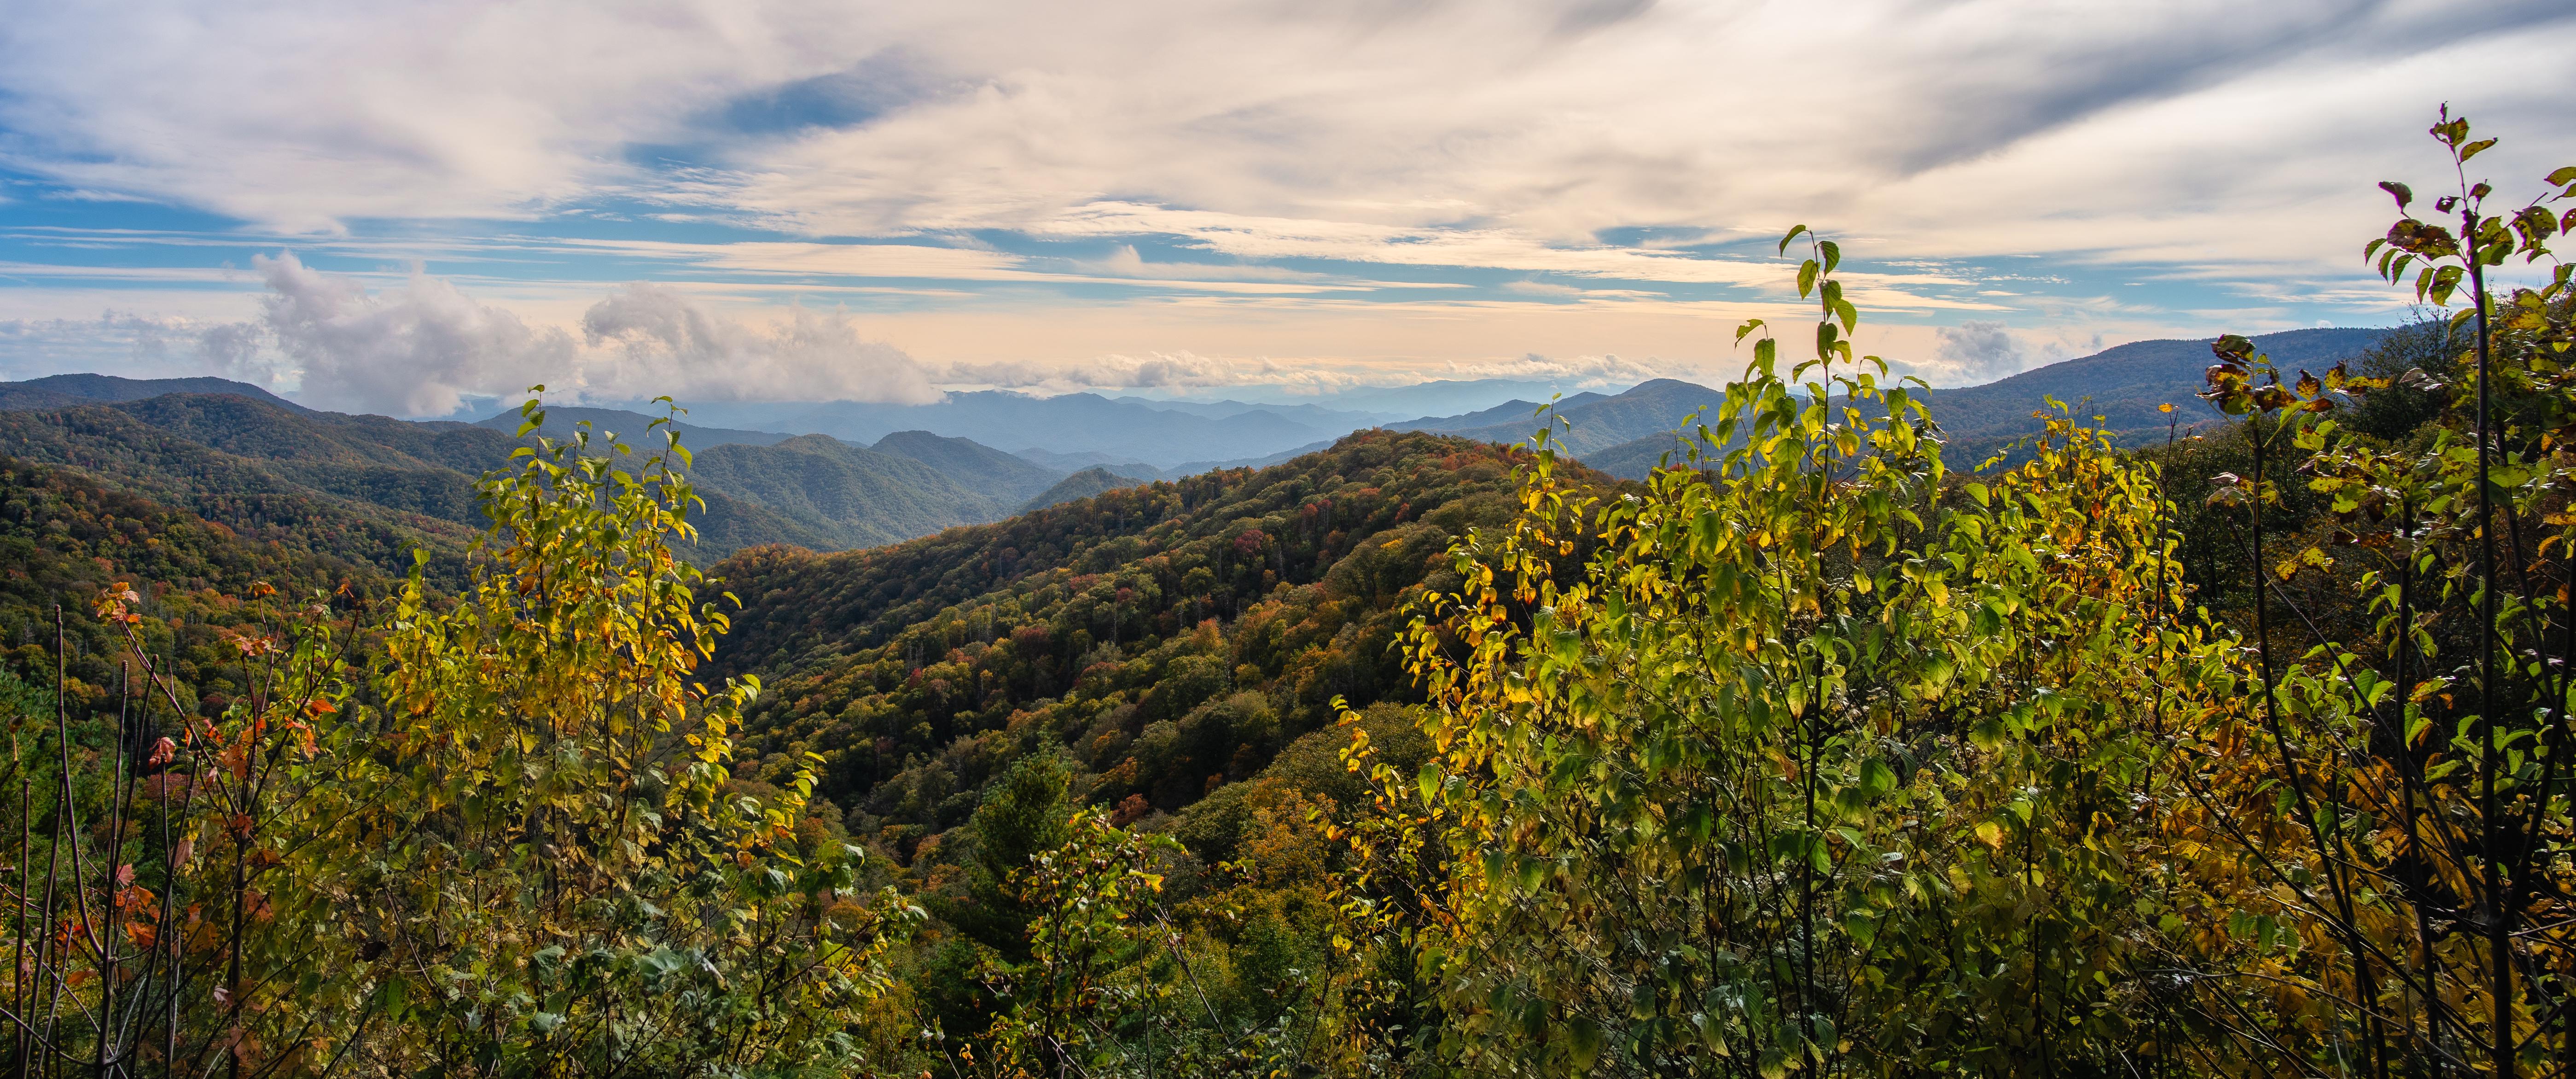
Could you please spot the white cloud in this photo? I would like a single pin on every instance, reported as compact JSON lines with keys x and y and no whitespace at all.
{"x":1154,"y":370}
{"x":649,"y":336}
{"x":1447,"y":132}
{"x":1971,"y":353}
{"x":419,"y":349}
{"x":1292,"y":153}
{"x":410,"y":352}
{"x":143,"y":345}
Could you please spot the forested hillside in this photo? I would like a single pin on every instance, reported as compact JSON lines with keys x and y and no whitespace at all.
{"x":371,"y":508}
{"x":65,"y":538}
{"x":1173,"y":635}
{"x":1084,"y":484}
{"x":374,"y":489}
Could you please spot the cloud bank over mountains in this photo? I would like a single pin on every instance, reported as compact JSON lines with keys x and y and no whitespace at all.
{"x":1174,"y":194}
{"x":425,"y":346}
{"x":420,"y":349}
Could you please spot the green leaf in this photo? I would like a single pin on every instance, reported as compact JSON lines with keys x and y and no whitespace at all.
{"x":1583,"y":1040}
{"x":1987,"y":733}
{"x":1876,"y":778}
{"x":1793,"y":234}
{"x":2475,"y":148}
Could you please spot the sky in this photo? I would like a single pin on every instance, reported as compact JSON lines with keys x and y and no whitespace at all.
{"x":403,"y":207}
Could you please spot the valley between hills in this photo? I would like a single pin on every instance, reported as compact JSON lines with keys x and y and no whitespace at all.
{"x":1176,"y":620}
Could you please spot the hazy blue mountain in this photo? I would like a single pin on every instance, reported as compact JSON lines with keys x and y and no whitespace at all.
{"x":1505,"y":414}
{"x":1634,"y":459}
{"x":1192,"y":468}
{"x":1315,"y":416}
{"x":1076,"y":462}
{"x":630,"y":427}
{"x":2123,"y":385}
{"x":1080,"y":485}
{"x":1071,"y":423}
{"x":1651,"y":408}
{"x":55,"y":391}
{"x":845,"y":495}
{"x":1442,"y":398}
{"x":973,"y":465}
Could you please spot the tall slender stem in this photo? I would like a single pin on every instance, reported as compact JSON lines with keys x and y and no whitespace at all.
{"x":2499,"y":905}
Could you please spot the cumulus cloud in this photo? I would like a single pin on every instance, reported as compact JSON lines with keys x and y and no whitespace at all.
{"x":651,"y":335}
{"x":150,"y":346}
{"x":421,"y":348}
{"x":1585,"y":372}
{"x":415,"y":351}
{"x":1178,"y":370}
{"x":1972,"y":353}
{"x":1184,"y":370}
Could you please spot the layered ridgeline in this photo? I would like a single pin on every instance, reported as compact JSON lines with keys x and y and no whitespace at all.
{"x":1076,"y":429}
{"x":1175,"y":635}
{"x":374,"y":489}
{"x":1626,"y":434}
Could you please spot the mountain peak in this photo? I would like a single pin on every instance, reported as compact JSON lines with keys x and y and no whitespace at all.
{"x":113,"y":389}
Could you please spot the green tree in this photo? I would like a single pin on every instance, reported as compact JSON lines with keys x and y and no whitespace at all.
{"x":490,"y":834}
{"x":1022,"y":817}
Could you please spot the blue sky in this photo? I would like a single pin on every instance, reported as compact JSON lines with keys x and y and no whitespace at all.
{"x":393,"y":207}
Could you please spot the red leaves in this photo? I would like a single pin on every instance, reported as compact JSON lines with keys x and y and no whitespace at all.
{"x":251,"y":646}
{"x":113,"y":606}
{"x":2423,"y":239}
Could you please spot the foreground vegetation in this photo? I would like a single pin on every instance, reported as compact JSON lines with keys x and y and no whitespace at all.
{"x":1814,"y":756}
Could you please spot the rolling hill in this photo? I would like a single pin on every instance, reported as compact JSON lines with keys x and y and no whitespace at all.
{"x":65,"y":536}
{"x":1625,"y":435}
{"x":1593,"y":422}
{"x":1158,"y":433}
{"x":55,"y":391}
{"x":973,"y":465}
{"x":1507,"y":414}
{"x":373,"y":488}
{"x":1084,"y":484}
{"x":1174,"y":635}
{"x":562,"y":419}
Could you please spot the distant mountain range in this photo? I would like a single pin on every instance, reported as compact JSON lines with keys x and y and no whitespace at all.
{"x":56,"y":391}
{"x":1626,"y":434}
{"x":1166,"y":435}
{"x":371,"y":488}
{"x":848,"y":475}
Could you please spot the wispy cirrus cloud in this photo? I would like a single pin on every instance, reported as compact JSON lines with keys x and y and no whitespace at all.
{"x":1561,"y":177}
